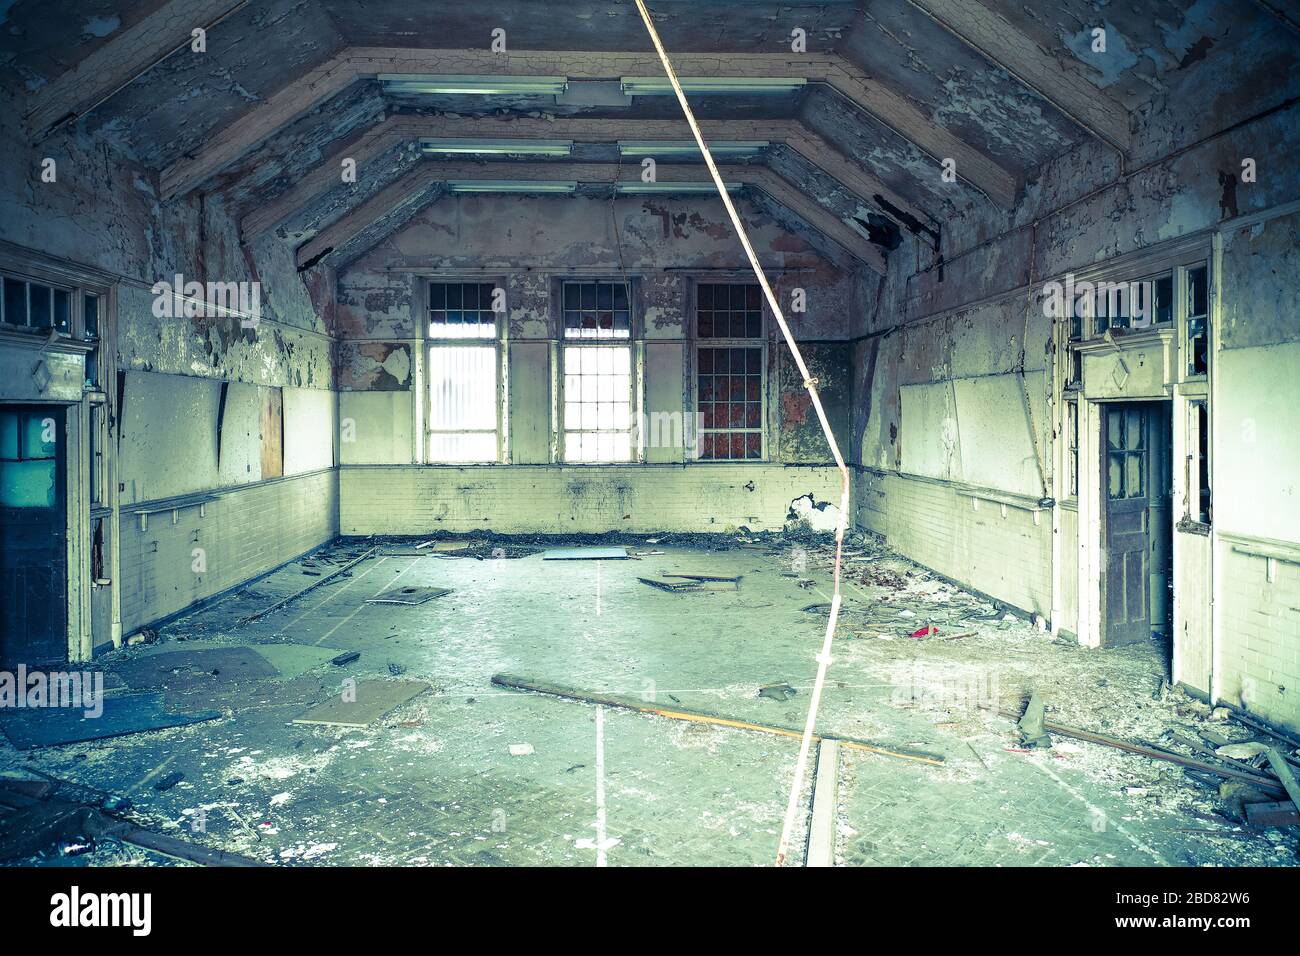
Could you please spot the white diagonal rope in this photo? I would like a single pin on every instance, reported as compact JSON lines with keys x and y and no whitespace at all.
{"x":824,"y":658}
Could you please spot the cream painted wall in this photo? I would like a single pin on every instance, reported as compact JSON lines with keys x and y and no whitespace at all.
{"x":374,"y":428}
{"x":308,"y":430}
{"x":1257,"y":463}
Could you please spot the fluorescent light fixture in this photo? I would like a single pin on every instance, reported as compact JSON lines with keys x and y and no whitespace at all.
{"x":687,"y":147}
{"x":674,"y":187}
{"x":511,"y":186}
{"x":484,"y":85}
{"x":659,"y":85}
{"x":497,"y":147}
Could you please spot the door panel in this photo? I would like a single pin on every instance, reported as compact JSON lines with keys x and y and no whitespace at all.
{"x":1127,"y":492}
{"x":33,"y":535}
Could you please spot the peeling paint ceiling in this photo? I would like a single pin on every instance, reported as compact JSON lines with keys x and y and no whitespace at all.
{"x":169,"y":111}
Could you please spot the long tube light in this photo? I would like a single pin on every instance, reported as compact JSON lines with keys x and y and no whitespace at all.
{"x":709,"y":85}
{"x":689,"y":148}
{"x":497,"y":147}
{"x":511,"y":186}
{"x":485,"y":85}
{"x":707,"y":187}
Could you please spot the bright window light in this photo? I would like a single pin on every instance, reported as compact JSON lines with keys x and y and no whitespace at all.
{"x":462,"y":403}
{"x":659,"y":85}
{"x":497,"y":147}
{"x":597,"y":403}
{"x":478,"y":85}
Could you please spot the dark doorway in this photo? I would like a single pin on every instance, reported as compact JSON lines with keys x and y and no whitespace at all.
{"x":33,"y":535}
{"x":1135,"y":525}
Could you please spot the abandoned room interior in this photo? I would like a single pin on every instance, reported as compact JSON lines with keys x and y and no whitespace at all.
{"x":417,"y":450}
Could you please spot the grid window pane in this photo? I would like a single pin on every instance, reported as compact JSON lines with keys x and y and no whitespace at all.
{"x":596,"y":310}
{"x":463,"y":403}
{"x":729,"y":310}
{"x":598,"y":402}
{"x":729,"y":395}
{"x":462,"y":310}
{"x":729,"y":381}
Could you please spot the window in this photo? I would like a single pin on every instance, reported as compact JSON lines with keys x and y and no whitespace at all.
{"x":732,"y":310}
{"x":597,"y":403}
{"x":1125,"y":453}
{"x":1198,"y":312}
{"x":28,"y":449}
{"x":598,"y":382}
{"x":90,"y":315}
{"x":1197,"y":476}
{"x":1163,"y":299}
{"x":597,"y":310}
{"x":97,"y":436}
{"x":463,"y":372}
{"x":730,"y":371}
{"x":34,"y":305}
{"x":1072,"y":448}
{"x":1137,"y":304}
{"x":464,"y":310}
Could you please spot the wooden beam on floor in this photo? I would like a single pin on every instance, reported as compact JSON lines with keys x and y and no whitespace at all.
{"x":120,"y":61}
{"x":115,"y":828}
{"x":631,"y":703}
{"x":1259,"y":781}
{"x":826,"y":786}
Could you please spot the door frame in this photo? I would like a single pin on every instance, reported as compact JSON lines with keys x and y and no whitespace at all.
{"x":74,"y":400}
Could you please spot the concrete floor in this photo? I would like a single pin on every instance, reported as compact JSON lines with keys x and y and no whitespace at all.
{"x":434,"y":782}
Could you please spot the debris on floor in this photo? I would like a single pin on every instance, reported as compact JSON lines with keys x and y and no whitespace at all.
{"x":585,"y":554}
{"x":363,"y":703}
{"x":683,"y":583}
{"x":781,"y":692}
{"x":408,"y":595}
{"x":121,"y":715}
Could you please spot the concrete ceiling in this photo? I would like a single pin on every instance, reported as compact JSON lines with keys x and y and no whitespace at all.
{"x":1008,"y":84}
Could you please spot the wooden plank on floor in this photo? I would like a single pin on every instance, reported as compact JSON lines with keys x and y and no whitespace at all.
{"x":826,"y":785}
{"x":631,"y":703}
{"x":585,"y":554}
{"x":1280,"y":813}
{"x":373,"y":699}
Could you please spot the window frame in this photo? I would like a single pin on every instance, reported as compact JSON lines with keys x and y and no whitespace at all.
{"x":1194,"y":463}
{"x":1183,"y":314}
{"x":1072,"y":448}
{"x":497,"y":342}
{"x":697,"y":343}
{"x":76,"y":291}
{"x":635,"y":348}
